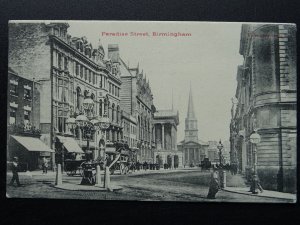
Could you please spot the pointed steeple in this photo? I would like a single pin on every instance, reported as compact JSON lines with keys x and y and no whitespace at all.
{"x":172,"y":100}
{"x":190,"y":112}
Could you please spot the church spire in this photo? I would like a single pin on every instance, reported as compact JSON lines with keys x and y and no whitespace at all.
{"x":172,"y":100}
{"x":190,"y":112}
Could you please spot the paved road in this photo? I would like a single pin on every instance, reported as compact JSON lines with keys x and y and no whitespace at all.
{"x":175,"y":186}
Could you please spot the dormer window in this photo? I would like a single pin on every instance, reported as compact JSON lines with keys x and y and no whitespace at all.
{"x":56,"y":31}
{"x":88,"y":52}
{"x":114,"y":70}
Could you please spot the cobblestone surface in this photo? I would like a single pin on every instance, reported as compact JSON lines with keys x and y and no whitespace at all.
{"x":174,"y":186}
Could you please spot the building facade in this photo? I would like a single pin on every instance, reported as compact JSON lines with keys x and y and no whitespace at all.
{"x":23,"y":121}
{"x":165,"y":130}
{"x":266,"y":99}
{"x":137,"y":101}
{"x":194,"y":150}
{"x":68,"y":69}
{"x":129,"y":125}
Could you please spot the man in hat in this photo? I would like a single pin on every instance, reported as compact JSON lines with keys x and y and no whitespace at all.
{"x":14,"y":169}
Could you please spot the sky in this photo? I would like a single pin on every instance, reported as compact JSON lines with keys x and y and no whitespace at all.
{"x":206,"y":61}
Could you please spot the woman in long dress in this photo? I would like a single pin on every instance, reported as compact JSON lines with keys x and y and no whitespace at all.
{"x":214,"y":184}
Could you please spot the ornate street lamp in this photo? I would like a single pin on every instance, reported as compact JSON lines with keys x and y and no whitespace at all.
{"x":71,"y":123}
{"x":255,"y":139}
{"x":220,"y":147}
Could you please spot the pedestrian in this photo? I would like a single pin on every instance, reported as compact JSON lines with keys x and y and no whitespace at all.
{"x":45,"y":165}
{"x":14,"y":169}
{"x":214,"y":184}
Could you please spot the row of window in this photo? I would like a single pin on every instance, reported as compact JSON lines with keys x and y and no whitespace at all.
{"x":83,"y":72}
{"x":143,"y":109}
{"x":114,"y":90}
{"x":13,"y":116}
{"x":14,"y":91}
{"x":129,"y":128}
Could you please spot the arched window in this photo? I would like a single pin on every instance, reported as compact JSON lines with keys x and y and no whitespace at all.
{"x":59,"y":61}
{"x":108,"y":109}
{"x":85,"y":74}
{"x":100,"y":107}
{"x":118,"y":114}
{"x":105,"y":107}
{"x":94,"y":108}
{"x":78,"y":93}
{"x":113,"y":112}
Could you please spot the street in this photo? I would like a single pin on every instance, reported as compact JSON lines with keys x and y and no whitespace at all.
{"x":183,"y":185}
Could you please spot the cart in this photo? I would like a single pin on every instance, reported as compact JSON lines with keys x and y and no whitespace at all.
{"x":74,"y":167}
{"x":118,"y":157}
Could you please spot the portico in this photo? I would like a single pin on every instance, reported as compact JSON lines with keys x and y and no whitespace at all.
{"x":165,"y":125}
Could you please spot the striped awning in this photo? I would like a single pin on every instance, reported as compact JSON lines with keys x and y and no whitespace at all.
{"x":32,"y":144}
{"x":70,"y":144}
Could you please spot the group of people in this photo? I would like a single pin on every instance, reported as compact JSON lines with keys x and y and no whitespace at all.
{"x":145,"y":166}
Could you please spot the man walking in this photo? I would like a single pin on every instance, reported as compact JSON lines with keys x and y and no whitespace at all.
{"x":45,"y":165}
{"x":14,"y":169}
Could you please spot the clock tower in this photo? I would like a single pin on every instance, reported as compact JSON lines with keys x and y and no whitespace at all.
{"x":191,"y":123}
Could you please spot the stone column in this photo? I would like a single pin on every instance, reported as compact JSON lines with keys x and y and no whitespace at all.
{"x":163,"y":136}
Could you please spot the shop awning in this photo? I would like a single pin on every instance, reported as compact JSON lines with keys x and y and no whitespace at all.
{"x":70,"y":144}
{"x":32,"y":144}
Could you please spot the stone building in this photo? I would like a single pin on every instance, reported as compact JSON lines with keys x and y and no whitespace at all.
{"x":129,"y":125}
{"x":69,"y":68}
{"x":137,"y":101}
{"x":23,"y":120}
{"x":266,"y":98}
{"x":165,"y":130}
{"x":194,"y":150}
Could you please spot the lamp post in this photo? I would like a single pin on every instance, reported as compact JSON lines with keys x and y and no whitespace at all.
{"x":222,"y":172}
{"x":220,"y":147}
{"x":88,"y":123}
{"x":255,"y":139}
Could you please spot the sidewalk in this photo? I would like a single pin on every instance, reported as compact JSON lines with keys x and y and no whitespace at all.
{"x":236,"y":184}
{"x":265,"y":193}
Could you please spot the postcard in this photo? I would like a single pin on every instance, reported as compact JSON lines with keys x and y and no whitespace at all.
{"x":152,"y":111}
